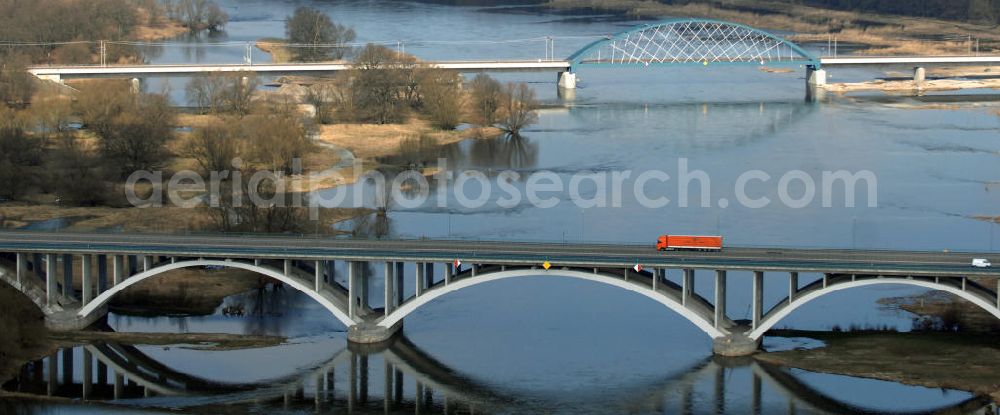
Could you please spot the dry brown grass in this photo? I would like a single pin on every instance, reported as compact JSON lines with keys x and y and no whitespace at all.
{"x":369,"y":141}
{"x":200,"y":341}
{"x":911,"y":86}
{"x":275,"y":47}
{"x":964,"y":71}
{"x":160,"y":31}
{"x":994,"y":219}
{"x":897,"y":35}
{"x":162,"y":28}
{"x":166,"y":219}
{"x":934,"y":360}
{"x":186,"y":291}
{"x":768,"y":69}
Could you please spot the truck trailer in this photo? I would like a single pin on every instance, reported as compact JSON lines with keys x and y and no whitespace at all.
{"x":689,"y":243}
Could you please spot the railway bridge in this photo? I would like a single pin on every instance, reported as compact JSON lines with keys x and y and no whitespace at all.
{"x":674,"y":42}
{"x":387,"y":280}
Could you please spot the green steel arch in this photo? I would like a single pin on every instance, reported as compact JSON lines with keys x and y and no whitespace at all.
{"x":693,"y":42}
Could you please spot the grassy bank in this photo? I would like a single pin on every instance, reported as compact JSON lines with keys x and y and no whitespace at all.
{"x":910,"y":87}
{"x":276,"y":48}
{"x":936,"y":360}
{"x":200,"y":341}
{"x":878,"y":33}
{"x":370,"y":141}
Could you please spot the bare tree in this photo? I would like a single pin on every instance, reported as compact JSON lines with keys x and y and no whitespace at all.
{"x":318,"y":36}
{"x":51,"y":112}
{"x":442,"y":98}
{"x":135,"y":139}
{"x":259,"y":205}
{"x":323,"y":96}
{"x":18,"y":151}
{"x":517,"y":108}
{"x":223,"y":93}
{"x":376,"y":80}
{"x":487,"y":95}
{"x":277,"y":136}
{"x":72,"y":160}
{"x":214,"y":146}
{"x":16,"y":84}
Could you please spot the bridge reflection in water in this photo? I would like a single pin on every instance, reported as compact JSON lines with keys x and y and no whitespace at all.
{"x":401,"y":378}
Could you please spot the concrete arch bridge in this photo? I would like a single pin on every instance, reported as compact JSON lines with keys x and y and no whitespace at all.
{"x":417,"y":272}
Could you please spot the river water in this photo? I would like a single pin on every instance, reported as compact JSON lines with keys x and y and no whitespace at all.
{"x":561,"y":345}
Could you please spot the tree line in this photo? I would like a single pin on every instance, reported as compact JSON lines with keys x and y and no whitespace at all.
{"x":385,"y":86}
{"x":977,"y":11}
{"x":67,"y":31}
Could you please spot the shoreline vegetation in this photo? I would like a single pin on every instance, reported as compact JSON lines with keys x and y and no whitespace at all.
{"x":99,"y":131}
{"x":876,"y":33}
{"x":933,"y":360}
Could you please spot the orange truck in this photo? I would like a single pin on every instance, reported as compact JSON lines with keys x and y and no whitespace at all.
{"x":688,"y":243}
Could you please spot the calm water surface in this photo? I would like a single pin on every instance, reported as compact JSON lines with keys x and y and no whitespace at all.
{"x":551,"y":344}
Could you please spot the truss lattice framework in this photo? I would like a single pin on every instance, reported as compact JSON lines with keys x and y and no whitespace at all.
{"x":693,"y":42}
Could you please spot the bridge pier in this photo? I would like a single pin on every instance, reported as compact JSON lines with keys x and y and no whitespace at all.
{"x":400,"y":275}
{"x":815,"y":77}
{"x":720,"y":298}
{"x":22,"y":268}
{"x":352,"y":289}
{"x":758,"y":298}
{"x":390,"y":289}
{"x":85,"y":281}
{"x":735,"y":344}
{"x":919,"y":75}
{"x":50,"y":279}
{"x":567,"y":80}
{"x":102,"y":273}
{"x":67,"y":286}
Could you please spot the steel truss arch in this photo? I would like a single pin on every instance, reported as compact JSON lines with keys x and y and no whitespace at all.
{"x":693,"y":42}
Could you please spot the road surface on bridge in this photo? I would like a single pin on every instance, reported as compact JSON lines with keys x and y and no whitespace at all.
{"x":140,"y":71}
{"x":869,"y":262}
{"x":111,"y":71}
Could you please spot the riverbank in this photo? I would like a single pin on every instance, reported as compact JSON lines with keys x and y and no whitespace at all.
{"x":910,"y":87}
{"x":159,"y":28}
{"x":939,"y":310}
{"x":371,"y":141}
{"x":876,"y":34}
{"x":962,"y":361}
{"x":276,"y":48}
{"x":200,"y":341}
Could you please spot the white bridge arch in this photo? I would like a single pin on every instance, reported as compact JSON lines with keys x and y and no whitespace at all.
{"x":817,"y":290}
{"x":323,"y":299}
{"x":700,"y":319}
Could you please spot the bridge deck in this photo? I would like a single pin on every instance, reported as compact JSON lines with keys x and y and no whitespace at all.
{"x":94,"y":71}
{"x":922,"y":61}
{"x":912,"y":263}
